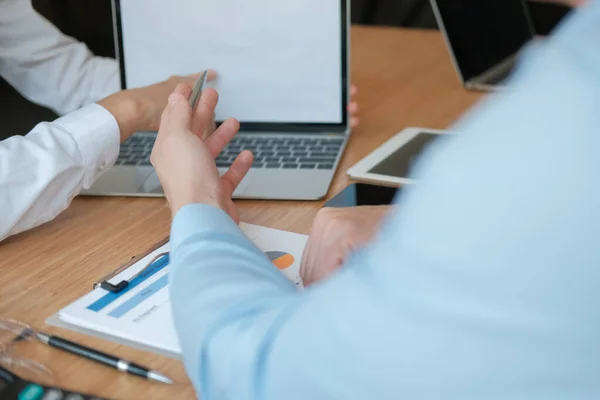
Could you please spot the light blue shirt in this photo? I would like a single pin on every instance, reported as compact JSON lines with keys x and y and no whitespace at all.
{"x":484,"y":284}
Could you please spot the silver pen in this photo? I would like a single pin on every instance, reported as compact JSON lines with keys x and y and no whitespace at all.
{"x":197,"y":90}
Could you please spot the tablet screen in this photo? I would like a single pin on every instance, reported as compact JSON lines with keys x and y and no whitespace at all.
{"x":483,"y":33}
{"x":277,"y":61}
{"x":362,"y":194}
{"x":399,"y":163}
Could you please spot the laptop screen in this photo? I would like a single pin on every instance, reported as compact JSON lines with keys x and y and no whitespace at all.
{"x":483,"y":33}
{"x":278,"y":62}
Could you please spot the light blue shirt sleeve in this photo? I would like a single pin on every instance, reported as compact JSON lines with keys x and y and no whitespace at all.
{"x":482,"y":285}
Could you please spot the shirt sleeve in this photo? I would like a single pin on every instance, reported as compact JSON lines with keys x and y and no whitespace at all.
{"x":481,"y":285}
{"x":47,"y":67}
{"x":41,"y":172}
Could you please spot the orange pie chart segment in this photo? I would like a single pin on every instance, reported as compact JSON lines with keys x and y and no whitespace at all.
{"x":280,"y":259}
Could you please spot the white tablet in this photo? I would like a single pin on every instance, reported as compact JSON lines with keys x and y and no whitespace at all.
{"x":390,"y":164}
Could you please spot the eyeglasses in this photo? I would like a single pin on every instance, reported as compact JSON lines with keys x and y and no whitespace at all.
{"x":12,"y":333}
{"x":106,"y":285}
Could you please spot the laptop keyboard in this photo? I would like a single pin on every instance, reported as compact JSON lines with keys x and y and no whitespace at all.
{"x":271,"y":153}
{"x":136,"y":151}
{"x":281,"y":153}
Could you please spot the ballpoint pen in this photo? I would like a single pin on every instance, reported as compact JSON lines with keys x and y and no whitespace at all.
{"x":102,"y":358}
{"x":197,"y":90}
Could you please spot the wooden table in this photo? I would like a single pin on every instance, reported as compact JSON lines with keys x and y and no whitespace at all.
{"x":405,"y":78}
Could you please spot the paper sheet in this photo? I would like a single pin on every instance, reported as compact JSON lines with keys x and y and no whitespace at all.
{"x":277,"y":60}
{"x":141,"y":314}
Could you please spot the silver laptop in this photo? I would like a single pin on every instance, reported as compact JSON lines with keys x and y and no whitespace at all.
{"x":484,"y":38}
{"x":293,"y":160}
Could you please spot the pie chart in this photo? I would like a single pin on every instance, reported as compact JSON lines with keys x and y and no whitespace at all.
{"x":281,"y":259}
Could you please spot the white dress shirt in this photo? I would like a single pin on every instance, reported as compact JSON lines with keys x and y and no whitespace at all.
{"x":41,"y":172}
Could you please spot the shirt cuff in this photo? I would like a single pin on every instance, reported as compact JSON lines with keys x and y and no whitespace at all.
{"x":194,"y":219}
{"x":97,"y":135}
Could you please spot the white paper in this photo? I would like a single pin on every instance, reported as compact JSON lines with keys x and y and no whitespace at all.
{"x":277,"y":60}
{"x":143,"y":314}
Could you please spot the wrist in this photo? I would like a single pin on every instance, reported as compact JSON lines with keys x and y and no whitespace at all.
{"x":180,"y":202}
{"x":126,"y":110}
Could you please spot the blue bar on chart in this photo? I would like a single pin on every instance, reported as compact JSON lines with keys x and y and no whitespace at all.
{"x":110,"y":297}
{"x":139,"y":298}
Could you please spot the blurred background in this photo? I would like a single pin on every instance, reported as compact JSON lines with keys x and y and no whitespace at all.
{"x":90,"y":21}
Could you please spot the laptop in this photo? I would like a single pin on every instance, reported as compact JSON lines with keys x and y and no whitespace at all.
{"x":484,"y":37}
{"x":290,"y":95}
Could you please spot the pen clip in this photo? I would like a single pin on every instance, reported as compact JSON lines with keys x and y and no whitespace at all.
{"x":118,"y":287}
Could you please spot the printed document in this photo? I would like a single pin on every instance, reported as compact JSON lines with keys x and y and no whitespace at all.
{"x":140,"y":315}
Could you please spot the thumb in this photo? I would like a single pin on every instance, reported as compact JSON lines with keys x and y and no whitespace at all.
{"x":178,"y":113}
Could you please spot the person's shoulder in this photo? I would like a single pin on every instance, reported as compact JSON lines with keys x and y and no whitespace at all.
{"x":582,"y":22}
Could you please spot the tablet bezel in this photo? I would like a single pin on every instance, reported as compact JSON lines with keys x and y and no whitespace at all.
{"x":360,"y":171}
{"x":458,"y":63}
{"x":279,"y":127}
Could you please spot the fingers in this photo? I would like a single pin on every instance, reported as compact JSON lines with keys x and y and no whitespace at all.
{"x":202,"y":122}
{"x":208,"y":132}
{"x":177,"y":116}
{"x":183,"y":89}
{"x":306,"y":253}
{"x":238,"y":170}
{"x":353,"y":108}
{"x":336,"y":233}
{"x":316,"y":240}
{"x":211,"y":75}
{"x":217,"y":142}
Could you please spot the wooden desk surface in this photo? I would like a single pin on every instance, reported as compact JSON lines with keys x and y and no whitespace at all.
{"x":405,"y":78}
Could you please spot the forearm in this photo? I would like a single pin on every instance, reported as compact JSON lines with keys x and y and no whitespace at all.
{"x":127,"y":111}
{"x":245,"y":333}
{"x":48,"y":67}
{"x":41,"y":172}
{"x":219,"y":280}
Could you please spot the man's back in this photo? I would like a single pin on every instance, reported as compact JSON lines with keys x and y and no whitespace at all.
{"x":483,"y":284}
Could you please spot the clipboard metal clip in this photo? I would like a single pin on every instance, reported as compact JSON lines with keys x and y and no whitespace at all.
{"x":116,"y":288}
{"x":106,"y":285}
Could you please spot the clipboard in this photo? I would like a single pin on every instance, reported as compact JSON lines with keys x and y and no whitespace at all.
{"x":55,"y":319}
{"x":139,"y":315}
